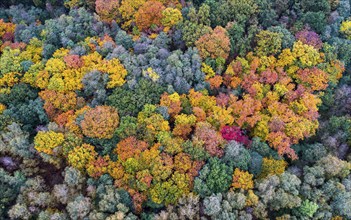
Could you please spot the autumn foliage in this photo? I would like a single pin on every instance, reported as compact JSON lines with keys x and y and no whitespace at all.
{"x":175,"y":109}
{"x":107,"y":10}
{"x":242,"y":180}
{"x":100,"y":122}
{"x":46,"y":142}
{"x":234,"y":133}
{"x":280,"y":104}
{"x":150,"y":13}
{"x":7,"y":30}
{"x":215,"y":44}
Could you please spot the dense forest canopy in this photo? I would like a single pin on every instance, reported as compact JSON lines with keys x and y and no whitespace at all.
{"x":175,"y":109}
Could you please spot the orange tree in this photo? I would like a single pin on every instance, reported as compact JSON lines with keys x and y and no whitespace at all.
{"x":100,"y":122}
{"x":150,"y":13}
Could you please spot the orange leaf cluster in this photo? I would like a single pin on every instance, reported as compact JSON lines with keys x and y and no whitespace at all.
{"x":215,"y":44}
{"x":150,"y":13}
{"x":100,"y":122}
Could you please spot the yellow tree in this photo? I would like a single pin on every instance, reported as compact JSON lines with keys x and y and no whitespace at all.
{"x":242,"y":180}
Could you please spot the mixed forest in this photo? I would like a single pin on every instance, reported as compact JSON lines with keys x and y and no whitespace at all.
{"x":175,"y":109}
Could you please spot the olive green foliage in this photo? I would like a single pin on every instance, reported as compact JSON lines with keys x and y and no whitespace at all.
{"x":131,"y":101}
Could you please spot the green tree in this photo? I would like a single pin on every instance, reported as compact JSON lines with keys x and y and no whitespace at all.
{"x":215,"y":177}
